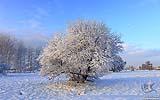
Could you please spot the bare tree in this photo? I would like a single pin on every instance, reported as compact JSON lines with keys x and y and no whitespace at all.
{"x":7,"y":48}
{"x":20,"y":55}
{"x":15,"y":54}
{"x":30,"y":57}
{"x":87,"y":50}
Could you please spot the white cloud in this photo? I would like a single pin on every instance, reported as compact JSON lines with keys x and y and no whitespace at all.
{"x":30,"y":38}
{"x":40,"y":13}
{"x":36,"y":18}
{"x":31,"y":23}
{"x":135,"y":55}
{"x":34,"y":39}
{"x":152,"y":3}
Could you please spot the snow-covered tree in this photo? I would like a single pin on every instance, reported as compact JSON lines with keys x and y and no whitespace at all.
{"x":32,"y":54}
{"x":118,"y":64}
{"x":87,"y":50}
{"x":36,"y":56}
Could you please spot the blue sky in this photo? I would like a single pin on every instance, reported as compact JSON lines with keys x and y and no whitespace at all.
{"x":137,"y":20}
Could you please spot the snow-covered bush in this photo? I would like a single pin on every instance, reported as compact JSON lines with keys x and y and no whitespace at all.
{"x":87,"y":50}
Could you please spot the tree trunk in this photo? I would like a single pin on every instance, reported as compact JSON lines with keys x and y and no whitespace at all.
{"x":79,"y":78}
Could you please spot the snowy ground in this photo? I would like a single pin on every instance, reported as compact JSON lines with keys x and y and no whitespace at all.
{"x":115,"y":86}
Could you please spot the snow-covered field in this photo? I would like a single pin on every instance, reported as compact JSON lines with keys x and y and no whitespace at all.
{"x":115,"y":86}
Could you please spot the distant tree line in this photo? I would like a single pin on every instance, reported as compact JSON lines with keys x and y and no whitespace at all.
{"x":16,"y":56}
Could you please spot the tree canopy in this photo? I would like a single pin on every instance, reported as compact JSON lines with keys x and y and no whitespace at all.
{"x":87,"y":49}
